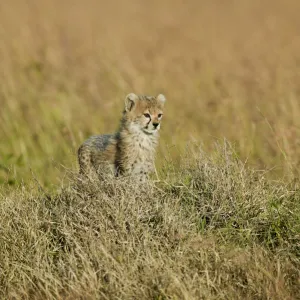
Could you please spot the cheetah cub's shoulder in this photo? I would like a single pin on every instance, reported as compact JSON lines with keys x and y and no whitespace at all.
{"x":131,"y":150}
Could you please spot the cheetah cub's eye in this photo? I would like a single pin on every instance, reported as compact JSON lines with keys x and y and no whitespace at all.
{"x":159,"y":116}
{"x":147,"y":116}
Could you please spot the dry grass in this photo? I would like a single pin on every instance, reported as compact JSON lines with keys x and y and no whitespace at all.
{"x":211,"y":229}
{"x":218,"y":231}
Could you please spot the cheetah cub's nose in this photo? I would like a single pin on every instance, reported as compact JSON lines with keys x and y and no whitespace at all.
{"x":155,"y":124}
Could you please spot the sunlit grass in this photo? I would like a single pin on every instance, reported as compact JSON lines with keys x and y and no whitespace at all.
{"x":211,"y":229}
{"x":226,"y":71}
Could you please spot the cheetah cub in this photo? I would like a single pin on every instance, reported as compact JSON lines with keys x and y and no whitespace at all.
{"x":131,"y":150}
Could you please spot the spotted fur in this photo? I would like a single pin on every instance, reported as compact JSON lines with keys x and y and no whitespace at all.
{"x":131,"y":150}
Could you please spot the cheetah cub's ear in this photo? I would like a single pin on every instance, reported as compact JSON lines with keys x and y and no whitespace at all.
{"x":161,"y":99}
{"x":130,"y":101}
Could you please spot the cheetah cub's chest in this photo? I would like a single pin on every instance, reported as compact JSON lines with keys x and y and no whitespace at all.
{"x":142,"y":149}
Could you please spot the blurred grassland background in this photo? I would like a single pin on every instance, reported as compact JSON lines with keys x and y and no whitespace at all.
{"x":229,"y":69}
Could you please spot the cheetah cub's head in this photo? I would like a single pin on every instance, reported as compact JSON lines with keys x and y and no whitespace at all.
{"x":144,"y":113}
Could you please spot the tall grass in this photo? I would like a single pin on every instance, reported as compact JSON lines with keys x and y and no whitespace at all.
{"x":227,"y":70}
{"x":216,"y":231}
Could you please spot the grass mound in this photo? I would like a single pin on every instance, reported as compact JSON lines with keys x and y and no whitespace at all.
{"x":212,"y":230}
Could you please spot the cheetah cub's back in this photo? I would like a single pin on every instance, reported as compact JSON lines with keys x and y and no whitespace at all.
{"x":131,"y":150}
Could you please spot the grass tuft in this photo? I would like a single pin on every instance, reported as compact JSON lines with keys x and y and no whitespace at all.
{"x":218,"y":230}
